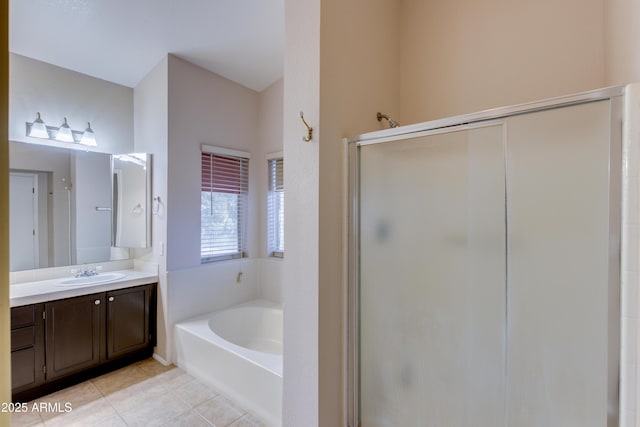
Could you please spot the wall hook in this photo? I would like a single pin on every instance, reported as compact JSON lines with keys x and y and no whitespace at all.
{"x":309,"y":129}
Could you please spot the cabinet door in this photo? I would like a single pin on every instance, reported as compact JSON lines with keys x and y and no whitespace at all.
{"x":74,"y":334}
{"x":24,"y":372}
{"x":128,"y":313}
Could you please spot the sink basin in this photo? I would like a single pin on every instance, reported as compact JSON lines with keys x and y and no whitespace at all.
{"x":92,"y":280}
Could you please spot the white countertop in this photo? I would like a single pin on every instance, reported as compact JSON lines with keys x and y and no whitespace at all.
{"x":49,"y":290}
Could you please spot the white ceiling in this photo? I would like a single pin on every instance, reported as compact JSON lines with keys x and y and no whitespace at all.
{"x":122,"y":40}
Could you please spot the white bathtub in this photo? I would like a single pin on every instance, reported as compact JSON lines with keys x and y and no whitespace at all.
{"x":238,"y":351}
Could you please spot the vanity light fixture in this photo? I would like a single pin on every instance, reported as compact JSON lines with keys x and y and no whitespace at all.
{"x":64,"y":133}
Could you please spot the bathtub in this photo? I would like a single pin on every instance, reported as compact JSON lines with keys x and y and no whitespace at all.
{"x":237,"y":351}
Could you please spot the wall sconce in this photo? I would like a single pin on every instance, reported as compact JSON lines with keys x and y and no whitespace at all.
{"x":64,"y":133}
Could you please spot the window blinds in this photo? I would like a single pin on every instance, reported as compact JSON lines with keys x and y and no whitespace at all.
{"x":223,"y":210}
{"x":275,"y":209}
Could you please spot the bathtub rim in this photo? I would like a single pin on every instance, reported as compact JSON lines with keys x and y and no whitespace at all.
{"x":199,"y":327}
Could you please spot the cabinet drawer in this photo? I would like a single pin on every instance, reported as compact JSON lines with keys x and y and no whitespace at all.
{"x":23,"y":368}
{"x":23,"y":337}
{"x":23,"y":316}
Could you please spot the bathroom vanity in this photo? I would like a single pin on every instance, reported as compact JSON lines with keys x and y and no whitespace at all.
{"x":70,"y":334}
{"x":72,"y":208}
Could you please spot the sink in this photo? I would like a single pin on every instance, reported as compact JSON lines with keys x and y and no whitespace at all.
{"x":92,"y":280}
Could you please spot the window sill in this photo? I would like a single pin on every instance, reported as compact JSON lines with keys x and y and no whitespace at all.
{"x":226,"y":257}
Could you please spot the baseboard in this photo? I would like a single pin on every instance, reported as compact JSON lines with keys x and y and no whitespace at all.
{"x":160,"y":359}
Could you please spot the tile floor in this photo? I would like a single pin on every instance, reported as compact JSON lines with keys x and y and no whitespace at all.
{"x":143,"y":394}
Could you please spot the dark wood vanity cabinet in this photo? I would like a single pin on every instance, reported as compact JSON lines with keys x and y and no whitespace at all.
{"x":61,"y":342}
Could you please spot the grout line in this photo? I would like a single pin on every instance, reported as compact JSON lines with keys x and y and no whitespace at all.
{"x":236,"y":420}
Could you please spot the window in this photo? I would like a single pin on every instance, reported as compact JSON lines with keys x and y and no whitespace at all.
{"x":223,"y":204}
{"x":275,"y":209}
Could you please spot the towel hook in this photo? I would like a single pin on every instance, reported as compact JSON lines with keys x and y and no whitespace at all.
{"x":309,"y":129}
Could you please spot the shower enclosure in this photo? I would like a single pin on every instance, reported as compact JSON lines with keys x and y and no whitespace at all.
{"x":485,"y":268}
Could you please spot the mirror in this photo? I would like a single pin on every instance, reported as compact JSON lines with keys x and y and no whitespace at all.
{"x":130,"y":222}
{"x":61,"y":207}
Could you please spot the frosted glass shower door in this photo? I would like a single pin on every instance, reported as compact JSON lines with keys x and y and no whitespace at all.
{"x":559,"y":267}
{"x":432,"y":280}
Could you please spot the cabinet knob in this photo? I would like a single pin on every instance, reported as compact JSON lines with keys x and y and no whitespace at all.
{"x":111,"y":298}
{"x":97,"y":302}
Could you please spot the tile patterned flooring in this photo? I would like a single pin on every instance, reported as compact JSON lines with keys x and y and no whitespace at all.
{"x":143,"y":394}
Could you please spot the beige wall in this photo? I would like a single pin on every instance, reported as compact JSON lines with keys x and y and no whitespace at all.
{"x":5,"y":358}
{"x":622,"y":41}
{"x":364,"y":33}
{"x":300,"y":287}
{"x":462,"y":56}
{"x":338,"y":72}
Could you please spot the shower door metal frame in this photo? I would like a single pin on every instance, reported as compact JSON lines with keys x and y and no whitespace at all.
{"x":615,"y":96}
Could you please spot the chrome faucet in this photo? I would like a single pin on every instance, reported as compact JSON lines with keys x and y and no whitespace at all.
{"x":86,"y":272}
